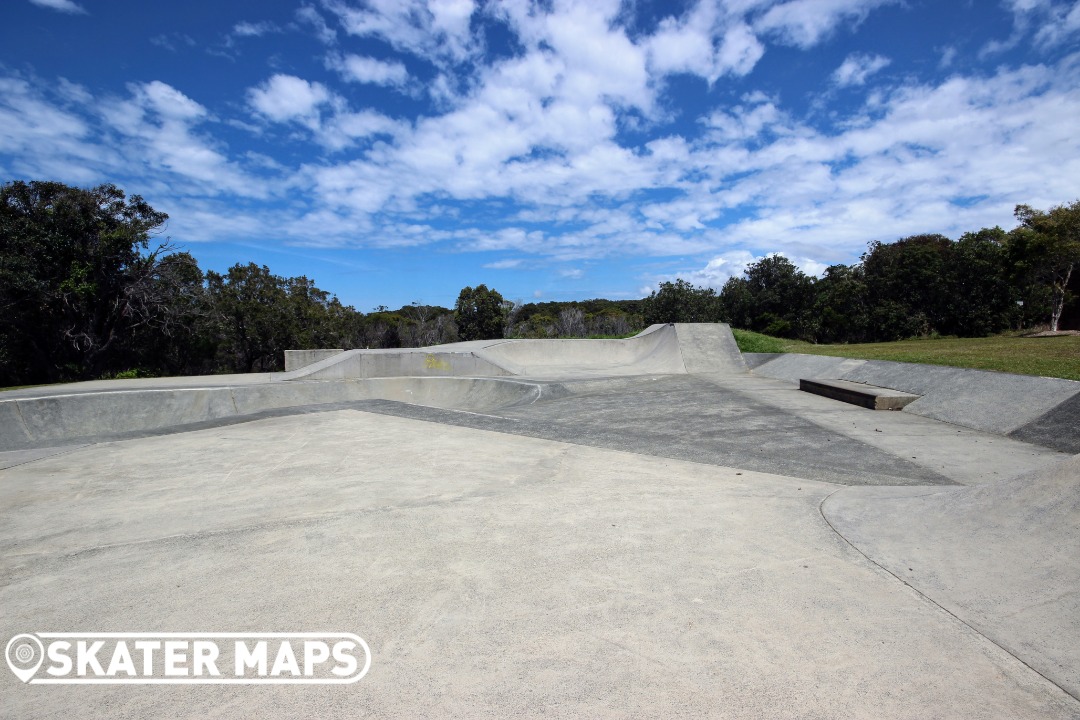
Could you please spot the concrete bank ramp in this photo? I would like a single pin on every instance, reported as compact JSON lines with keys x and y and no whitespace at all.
{"x":1045,"y":411}
{"x":1003,"y":557}
{"x":709,"y":348}
{"x":51,"y":419}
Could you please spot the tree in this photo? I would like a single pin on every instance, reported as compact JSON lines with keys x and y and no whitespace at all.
{"x":76,"y":277}
{"x":251,"y":312}
{"x":782,"y":296}
{"x":681,"y":302}
{"x":980,"y":299}
{"x":479,"y":313}
{"x":1047,"y":246}
{"x":907,"y":295}
{"x":840,"y":303}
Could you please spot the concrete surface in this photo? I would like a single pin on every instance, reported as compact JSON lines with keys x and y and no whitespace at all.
{"x":1056,"y":428}
{"x":1004,"y":557}
{"x":296,"y":359}
{"x":990,"y":401}
{"x":697,"y":542}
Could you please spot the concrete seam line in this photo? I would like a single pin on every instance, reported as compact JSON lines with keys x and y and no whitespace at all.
{"x":58,"y":453}
{"x":26,"y":428}
{"x":933,"y":602}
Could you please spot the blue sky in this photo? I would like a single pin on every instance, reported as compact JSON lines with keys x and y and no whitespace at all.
{"x":396,"y":151}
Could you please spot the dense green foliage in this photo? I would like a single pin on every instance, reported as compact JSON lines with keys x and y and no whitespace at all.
{"x":921,"y":286}
{"x":480,"y":313}
{"x":85,"y":293}
{"x":575,"y":319}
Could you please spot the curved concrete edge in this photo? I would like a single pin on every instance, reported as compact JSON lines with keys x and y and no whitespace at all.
{"x":1001,"y":557}
{"x":411,"y":362}
{"x":994,"y":402}
{"x":659,"y":349}
{"x":654,"y":350}
{"x":55,"y":419}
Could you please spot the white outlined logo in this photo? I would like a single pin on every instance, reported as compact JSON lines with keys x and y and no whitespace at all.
{"x":191,"y":658}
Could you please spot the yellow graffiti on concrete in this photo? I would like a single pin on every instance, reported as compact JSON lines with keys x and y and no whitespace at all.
{"x":433,"y":363}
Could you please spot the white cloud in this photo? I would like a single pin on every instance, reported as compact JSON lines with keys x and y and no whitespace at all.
{"x":64,"y":6}
{"x":704,"y":42}
{"x":857,"y":68}
{"x":509,"y":264}
{"x":436,"y":30}
{"x":45,"y":140}
{"x":360,"y":69}
{"x":285,"y":97}
{"x":719,"y":269}
{"x":1060,"y":24}
{"x":805,"y":23}
{"x":250,"y":29}
{"x":535,"y":142}
{"x":1049,"y":23}
{"x":158,"y":126}
{"x":323,"y":32}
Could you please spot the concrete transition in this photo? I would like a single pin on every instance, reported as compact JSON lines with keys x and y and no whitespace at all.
{"x":651,"y":527}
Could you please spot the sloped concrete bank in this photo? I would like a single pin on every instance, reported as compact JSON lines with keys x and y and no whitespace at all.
{"x":1044,"y":411}
{"x":51,"y":419}
{"x":1002,"y":556}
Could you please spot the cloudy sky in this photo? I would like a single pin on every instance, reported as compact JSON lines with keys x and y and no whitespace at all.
{"x":396,"y":150}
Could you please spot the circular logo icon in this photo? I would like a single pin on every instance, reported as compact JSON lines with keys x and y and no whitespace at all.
{"x":24,"y":655}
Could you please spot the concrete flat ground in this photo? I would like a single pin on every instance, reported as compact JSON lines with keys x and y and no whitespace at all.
{"x":675,"y":545}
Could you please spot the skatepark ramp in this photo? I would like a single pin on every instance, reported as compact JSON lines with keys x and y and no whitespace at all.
{"x":656,"y":350}
{"x":1002,"y":557}
{"x":472,"y":376}
{"x":659,"y":349}
{"x":1040,"y":410}
{"x":51,"y":419}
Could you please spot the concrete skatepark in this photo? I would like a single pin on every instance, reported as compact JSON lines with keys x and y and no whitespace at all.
{"x":651,"y":527}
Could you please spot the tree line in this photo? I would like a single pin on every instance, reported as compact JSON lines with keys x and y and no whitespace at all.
{"x":983,"y":283}
{"x":88,"y":291}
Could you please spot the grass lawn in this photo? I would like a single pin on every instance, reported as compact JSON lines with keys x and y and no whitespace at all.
{"x":1046,"y":356}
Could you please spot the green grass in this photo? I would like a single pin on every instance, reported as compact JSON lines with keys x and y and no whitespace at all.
{"x":19,"y":387}
{"x":753,"y":342}
{"x":1045,"y":356}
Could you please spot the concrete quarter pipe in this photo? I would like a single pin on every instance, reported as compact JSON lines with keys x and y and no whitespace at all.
{"x":561,"y":528}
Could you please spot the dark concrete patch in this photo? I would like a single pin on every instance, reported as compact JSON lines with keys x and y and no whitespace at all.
{"x":1058,"y":428}
{"x":687,"y":418}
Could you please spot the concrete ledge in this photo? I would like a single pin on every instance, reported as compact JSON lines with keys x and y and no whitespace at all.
{"x":867,"y":396}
